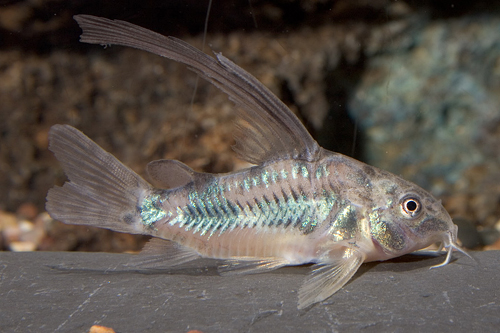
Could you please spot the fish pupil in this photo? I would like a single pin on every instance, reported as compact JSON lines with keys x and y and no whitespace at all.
{"x":411,"y":205}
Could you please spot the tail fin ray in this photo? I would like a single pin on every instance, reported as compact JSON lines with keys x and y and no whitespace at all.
{"x":102,"y":192}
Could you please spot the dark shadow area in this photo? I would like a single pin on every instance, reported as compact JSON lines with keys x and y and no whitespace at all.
{"x":340,"y":132}
{"x":405,"y":263}
{"x":202,"y":267}
{"x":41,"y":26}
{"x":209,"y":267}
{"x":443,"y":9}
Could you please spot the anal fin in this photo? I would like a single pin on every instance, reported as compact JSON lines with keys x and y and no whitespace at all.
{"x":242,"y":266}
{"x":160,"y":253}
{"x":328,"y":278}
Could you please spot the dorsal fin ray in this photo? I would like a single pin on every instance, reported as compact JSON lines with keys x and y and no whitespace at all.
{"x":269,"y":130}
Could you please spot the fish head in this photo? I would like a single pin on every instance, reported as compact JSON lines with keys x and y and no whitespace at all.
{"x":406,"y":218}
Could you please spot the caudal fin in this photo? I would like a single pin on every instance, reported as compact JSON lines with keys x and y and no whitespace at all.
{"x":102,"y":192}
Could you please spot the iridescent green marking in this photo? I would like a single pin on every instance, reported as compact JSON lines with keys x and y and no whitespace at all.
{"x":265,"y":178}
{"x":295,"y":171}
{"x":284,"y":174}
{"x":345,"y":224}
{"x":274,"y":176}
{"x":305,"y":172}
{"x":300,"y":169}
{"x":151,"y":211}
{"x":319,"y":172}
{"x":209,"y":211}
{"x":256,"y":181}
{"x":388,"y":235}
{"x":246,"y":184}
{"x":322,"y":171}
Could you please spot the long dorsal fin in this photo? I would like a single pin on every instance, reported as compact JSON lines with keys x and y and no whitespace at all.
{"x":167,"y":174}
{"x":269,"y":130}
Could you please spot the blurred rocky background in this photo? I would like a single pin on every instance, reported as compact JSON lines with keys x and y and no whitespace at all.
{"x":409,"y":86}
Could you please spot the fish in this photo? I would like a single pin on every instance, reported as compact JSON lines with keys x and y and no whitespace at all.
{"x":298,"y":204}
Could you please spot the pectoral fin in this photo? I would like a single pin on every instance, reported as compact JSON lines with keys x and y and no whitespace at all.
{"x":326,"y":279}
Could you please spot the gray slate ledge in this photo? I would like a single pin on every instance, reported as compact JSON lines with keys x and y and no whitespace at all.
{"x":71,"y":291}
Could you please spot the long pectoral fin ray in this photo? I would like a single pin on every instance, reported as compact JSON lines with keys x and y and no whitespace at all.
{"x":268,"y":130}
{"x":326,"y":279}
{"x":241,"y":266}
{"x":159,"y":253}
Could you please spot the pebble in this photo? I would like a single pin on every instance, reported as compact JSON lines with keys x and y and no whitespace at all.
{"x":22,"y":231}
{"x":28,"y":211}
{"x":101,"y":329}
{"x":22,"y":246}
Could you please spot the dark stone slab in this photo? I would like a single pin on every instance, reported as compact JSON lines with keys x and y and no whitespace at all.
{"x":69,"y":292}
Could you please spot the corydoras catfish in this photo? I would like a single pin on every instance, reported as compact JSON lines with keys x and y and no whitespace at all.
{"x":299,"y":204}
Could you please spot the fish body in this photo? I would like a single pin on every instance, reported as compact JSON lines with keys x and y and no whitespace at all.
{"x":295,"y":211}
{"x":299,"y":204}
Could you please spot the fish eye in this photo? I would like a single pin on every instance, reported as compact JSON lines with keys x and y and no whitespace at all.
{"x":411,"y":206}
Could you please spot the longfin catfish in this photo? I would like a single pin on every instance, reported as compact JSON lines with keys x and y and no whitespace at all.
{"x":299,"y":204}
